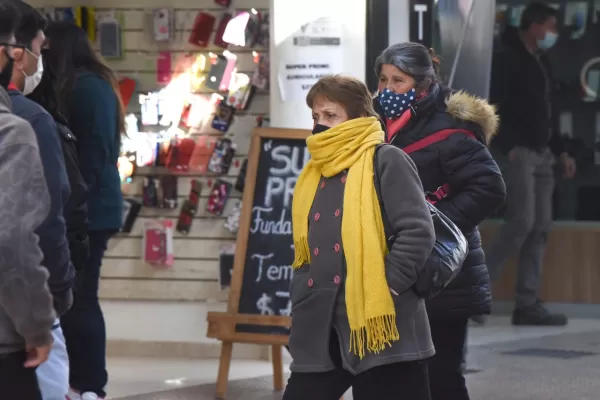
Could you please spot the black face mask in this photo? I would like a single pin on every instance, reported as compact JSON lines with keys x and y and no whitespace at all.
{"x":7,"y":71}
{"x":319,"y":128}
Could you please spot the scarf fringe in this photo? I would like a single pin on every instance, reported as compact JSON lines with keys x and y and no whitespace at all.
{"x":301,"y":253}
{"x":379,"y":332}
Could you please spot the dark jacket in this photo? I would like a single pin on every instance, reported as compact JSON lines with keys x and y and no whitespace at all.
{"x":317,"y":291}
{"x":522,"y":88}
{"x":93,"y":118}
{"x":26,"y":312}
{"x":476,"y":185}
{"x":53,"y":232}
{"x":76,"y":208}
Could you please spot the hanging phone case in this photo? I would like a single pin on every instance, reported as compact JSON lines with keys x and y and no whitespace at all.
{"x":241,"y":92}
{"x":252,"y":30}
{"x":219,"y":195}
{"x":235,"y":32}
{"x":262,"y":38}
{"x":241,"y":178}
{"x":180,"y":154}
{"x":131,"y":209}
{"x":162,"y":24}
{"x":216,"y":72}
{"x":168,"y":184}
{"x":163,"y":68}
{"x":220,"y":162}
{"x":158,"y":242}
{"x":233,"y":220}
{"x":223,"y":117}
{"x":155,"y":243}
{"x":205,"y":146}
{"x":189,"y":208}
{"x":184,"y":119}
{"x":127,"y":88}
{"x":260,"y":77}
{"x":150,"y":192}
{"x":226,"y":260}
{"x":221,"y":30}
{"x":162,"y":152}
{"x":109,"y":31}
{"x":229,"y":70}
{"x":202,"y":29}
{"x":149,"y":109}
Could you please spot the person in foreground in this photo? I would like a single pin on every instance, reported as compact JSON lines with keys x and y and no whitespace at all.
{"x":446,"y":134}
{"x":88,"y":97}
{"x":27,"y":73}
{"x":356,"y":320}
{"x":26,"y":306}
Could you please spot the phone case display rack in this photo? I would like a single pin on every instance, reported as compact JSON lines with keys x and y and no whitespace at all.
{"x":195,"y":145}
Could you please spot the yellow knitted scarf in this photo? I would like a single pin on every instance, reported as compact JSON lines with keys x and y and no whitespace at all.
{"x":351,"y":145}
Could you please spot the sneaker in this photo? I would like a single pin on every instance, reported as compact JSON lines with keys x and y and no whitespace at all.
{"x":73,"y":395}
{"x":90,"y":396}
{"x":537,"y":315}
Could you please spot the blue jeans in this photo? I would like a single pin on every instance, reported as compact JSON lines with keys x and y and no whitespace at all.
{"x":83,"y":325}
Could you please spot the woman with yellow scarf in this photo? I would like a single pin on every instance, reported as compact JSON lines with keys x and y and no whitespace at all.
{"x":356,"y":321}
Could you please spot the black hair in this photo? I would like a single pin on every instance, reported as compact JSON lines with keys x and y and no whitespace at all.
{"x":9,"y":18}
{"x":70,"y":52}
{"x":536,"y":13}
{"x":31,"y":23}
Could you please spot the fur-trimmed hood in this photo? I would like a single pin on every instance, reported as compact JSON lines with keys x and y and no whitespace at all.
{"x":464,"y":106}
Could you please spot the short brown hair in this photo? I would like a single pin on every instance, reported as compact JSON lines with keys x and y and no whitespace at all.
{"x":346,"y":91}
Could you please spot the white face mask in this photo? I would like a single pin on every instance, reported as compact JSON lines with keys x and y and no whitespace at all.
{"x":31,"y":82}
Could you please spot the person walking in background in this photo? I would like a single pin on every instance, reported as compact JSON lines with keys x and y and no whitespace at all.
{"x":459,"y":176}
{"x":26,"y":306}
{"x":26,"y":75}
{"x":356,"y":320}
{"x":528,"y":142}
{"x":88,"y":97}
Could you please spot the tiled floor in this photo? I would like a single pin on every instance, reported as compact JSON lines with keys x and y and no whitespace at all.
{"x":552,"y":369}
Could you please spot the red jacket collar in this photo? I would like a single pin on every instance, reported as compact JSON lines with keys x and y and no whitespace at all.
{"x":12,"y":86}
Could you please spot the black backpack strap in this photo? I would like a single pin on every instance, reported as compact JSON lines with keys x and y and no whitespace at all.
{"x":389,"y":232}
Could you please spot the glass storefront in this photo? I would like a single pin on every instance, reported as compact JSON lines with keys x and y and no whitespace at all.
{"x":577,"y":111}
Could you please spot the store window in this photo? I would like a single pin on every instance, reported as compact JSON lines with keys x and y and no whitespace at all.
{"x":575,"y":60}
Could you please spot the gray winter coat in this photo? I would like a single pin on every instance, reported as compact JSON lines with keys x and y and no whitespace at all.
{"x":26,"y":312}
{"x":318,"y":290}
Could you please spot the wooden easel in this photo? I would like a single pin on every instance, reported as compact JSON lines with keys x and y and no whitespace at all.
{"x":222,"y":326}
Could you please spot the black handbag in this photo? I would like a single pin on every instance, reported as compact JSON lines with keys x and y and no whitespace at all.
{"x":448,"y":254}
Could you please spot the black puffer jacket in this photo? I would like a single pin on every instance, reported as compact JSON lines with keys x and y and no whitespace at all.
{"x":476,"y":185}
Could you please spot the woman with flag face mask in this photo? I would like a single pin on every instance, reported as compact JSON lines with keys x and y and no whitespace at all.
{"x":446,"y":134}
{"x":356,"y":321}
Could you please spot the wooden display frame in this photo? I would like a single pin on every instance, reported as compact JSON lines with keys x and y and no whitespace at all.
{"x":222,"y":325}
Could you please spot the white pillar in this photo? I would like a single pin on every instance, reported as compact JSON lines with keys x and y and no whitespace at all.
{"x":288,"y":105}
{"x":398,"y":21}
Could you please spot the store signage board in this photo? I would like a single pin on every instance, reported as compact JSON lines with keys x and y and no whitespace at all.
{"x":313,"y":51}
{"x":259,"y":307}
{"x":421,"y":22}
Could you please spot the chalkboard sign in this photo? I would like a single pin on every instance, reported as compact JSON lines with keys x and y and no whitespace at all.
{"x":270,"y":249}
{"x":259,"y":303}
